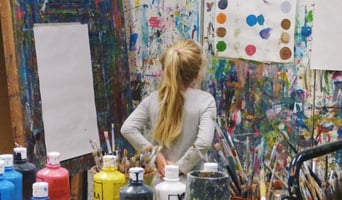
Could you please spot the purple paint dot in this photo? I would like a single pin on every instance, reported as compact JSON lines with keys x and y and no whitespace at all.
{"x":251,"y":20}
{"x":286,"y":7}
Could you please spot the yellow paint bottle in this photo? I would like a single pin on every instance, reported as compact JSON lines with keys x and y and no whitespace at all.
{"x":108,"y":182}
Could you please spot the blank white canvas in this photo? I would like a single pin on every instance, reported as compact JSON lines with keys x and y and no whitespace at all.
{"x":326,"y":35}
{"x":66,"y":87}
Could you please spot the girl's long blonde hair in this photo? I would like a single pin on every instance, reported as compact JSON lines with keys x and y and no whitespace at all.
{"x":182,"y":63}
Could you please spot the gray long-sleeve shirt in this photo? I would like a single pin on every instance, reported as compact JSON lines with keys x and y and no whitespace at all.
{"x":198,"y":128}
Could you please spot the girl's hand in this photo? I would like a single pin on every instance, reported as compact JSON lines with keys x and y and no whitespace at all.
{"x":160,"y":163}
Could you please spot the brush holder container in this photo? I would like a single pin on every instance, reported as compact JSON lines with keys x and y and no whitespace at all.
{"x":204,"y":185}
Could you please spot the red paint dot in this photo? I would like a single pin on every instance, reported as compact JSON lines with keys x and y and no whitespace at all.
{"x":250,"y":49}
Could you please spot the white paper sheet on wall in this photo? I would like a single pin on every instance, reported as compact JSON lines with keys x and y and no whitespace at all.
{"x":66,"y":87}
{"x":326,"y":35}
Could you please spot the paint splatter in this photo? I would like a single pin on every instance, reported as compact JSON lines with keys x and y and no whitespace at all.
{"x":265,"y":33}
{"x":306,"y":31}
{"x":250,"y":49}
{"x":221,"y":46}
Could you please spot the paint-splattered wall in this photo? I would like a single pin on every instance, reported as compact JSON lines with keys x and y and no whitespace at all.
{"x":255,"y":100}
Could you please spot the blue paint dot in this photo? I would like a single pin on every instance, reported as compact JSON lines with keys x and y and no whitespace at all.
{"x":261,"y":20}
{"x":306,"y":31}
{"x":251,"y":20}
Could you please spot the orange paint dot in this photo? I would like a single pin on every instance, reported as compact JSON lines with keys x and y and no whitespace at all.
{"x":221,"y":18}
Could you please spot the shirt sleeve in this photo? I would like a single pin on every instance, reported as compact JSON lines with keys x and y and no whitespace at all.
{"x":133,"y":127}
{"x":204,"y":139}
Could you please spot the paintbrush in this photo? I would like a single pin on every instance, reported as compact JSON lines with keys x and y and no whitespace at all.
{"x":109,"y":148}
{"x":272,"y":177}
{"x":230,"y":171}
{"x":262,"y":186}
{"x":113,"y":139}
{"x":229,"y":146}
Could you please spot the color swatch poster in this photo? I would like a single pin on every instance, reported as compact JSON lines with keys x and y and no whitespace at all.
{"x":255,"y":30}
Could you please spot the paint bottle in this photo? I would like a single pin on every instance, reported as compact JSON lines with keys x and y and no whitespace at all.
{"x":210,"y":167}
{"x":11,"y":175}
{"x":27,"y":169}
{"x":6,"y":187}
{"x":107,"y":182}
{"x":171,"y":188}
{"x":40,"y":191}
{"x":136,"y":189}
{"x":56,"y":176}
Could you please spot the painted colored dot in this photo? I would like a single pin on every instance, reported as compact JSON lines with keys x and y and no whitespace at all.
{"x":251,"y":20}
{"x":285,"y":7}
{"x":285,"y":24}
{"x":223,"y":4}
{"x":285,"y":53}
{"x":250,"y":50}
{"x":221,"y":46}
{"x":221,"y":18}
{"x":285,"y":37}
{"x":237,"y":32}
{"x":221,"y":32}
{"x":306,"y":31}
{"x":236,"y":46}
{"x":265,"y":33}
{"x":261,"y":20}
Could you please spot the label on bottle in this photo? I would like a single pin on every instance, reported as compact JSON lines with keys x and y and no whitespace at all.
{"x":97,"y":190}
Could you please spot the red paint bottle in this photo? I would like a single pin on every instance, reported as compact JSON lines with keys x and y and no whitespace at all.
{"x":56,"y":176}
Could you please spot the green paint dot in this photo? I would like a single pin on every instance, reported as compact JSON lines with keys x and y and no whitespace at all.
{"x":221,"y":46}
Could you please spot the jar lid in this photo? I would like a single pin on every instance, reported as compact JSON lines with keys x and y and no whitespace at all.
{"x":210,"y":167}
{"x":53,"y":158}
{"x":20,"y":153}
{"x":109,"y":161}
{"x":8,"y":159}
{"x":171,"y":173}
{"x":2,"y":167}
{"x":40,"y":189}
{"x":136,"y":173}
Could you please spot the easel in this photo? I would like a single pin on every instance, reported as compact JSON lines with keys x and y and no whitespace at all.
{"x":16,"y":121}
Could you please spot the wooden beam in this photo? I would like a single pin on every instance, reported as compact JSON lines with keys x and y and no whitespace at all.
{"x":16,"y":109}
